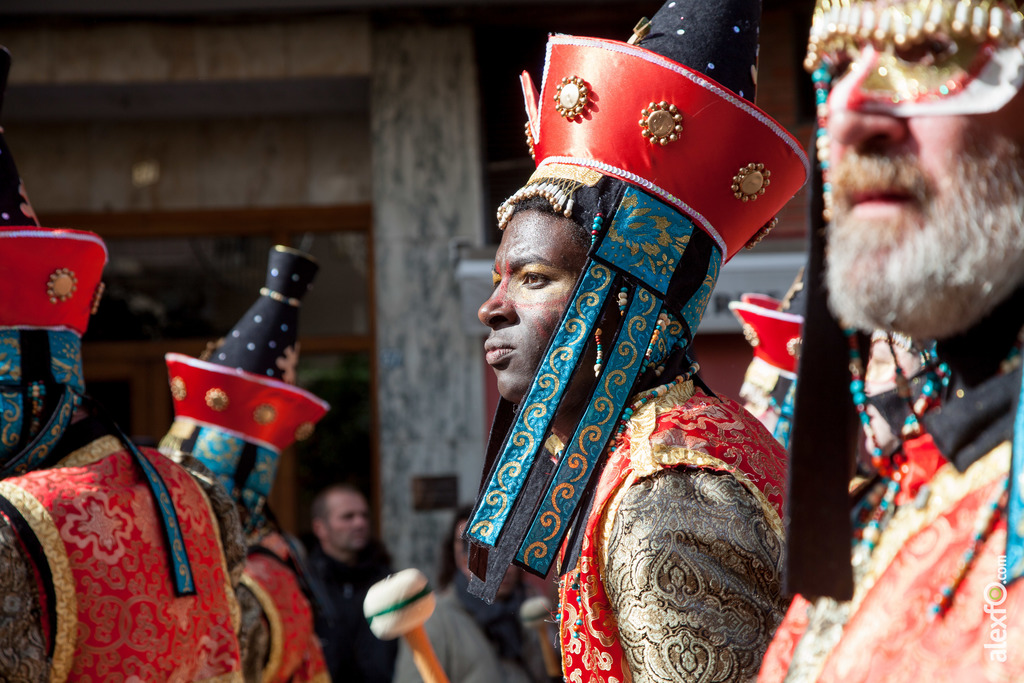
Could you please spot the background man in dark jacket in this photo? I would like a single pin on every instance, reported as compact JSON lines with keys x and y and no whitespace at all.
{"x":344,"y":564}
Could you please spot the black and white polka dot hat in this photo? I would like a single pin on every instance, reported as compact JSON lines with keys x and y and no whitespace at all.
{"x":264,"y":340}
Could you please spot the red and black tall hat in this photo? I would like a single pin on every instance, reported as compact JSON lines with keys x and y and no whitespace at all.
{"x":238,"y":409}
{"x":49,"y":286}
{"x":655,"y":147}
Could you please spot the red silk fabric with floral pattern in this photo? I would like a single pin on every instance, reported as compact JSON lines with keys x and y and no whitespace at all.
{"x":130,"y":625}
{"x":296,"y":656}
{"x":713,"y":433}
{"x":890,"y":635}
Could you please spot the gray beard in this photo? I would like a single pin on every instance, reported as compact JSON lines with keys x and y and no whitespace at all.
{"x":940,"y":278}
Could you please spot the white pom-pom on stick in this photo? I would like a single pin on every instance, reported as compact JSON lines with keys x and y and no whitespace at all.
{"x":534,"y":613}
{"x":398,"y":606}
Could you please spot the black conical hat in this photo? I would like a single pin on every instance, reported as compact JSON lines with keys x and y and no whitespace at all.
{"x":718,"y":39}
{"x":15,"y":209}
{"x":263,"y":341}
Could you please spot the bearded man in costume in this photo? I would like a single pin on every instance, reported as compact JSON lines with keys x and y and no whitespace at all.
{"x":117,"y":562}
{"x":235,"y":411}
{"x":920,"y":110}
{"x":653,"y":168}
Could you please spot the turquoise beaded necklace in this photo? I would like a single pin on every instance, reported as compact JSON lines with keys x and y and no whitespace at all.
{"x":878,"y":506}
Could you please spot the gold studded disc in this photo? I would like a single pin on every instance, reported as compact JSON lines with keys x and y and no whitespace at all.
{"x":571,"y":97}
{"x":762,"y":233}
{"x":178,"y":389}
{"x":750,"y":334}
{"x":794,"y":346}
{"x":750,"y":182}
{"x":264,"y":414}
{"x":217,"y":399}
{"x":97,"y":297}
{"x":62,"y":285}
{"x":661,"y":123}
{"x":304,"y":431}
{"x":529,"y":141}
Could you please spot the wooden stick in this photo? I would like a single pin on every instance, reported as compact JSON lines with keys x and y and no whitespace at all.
{"x":424,"y":657}
{"x":552,"y":663}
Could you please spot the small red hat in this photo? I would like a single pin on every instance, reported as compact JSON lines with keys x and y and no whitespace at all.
{"x":774,"y":334}
{"x":262,"y":410}
{"x":49,"y":279}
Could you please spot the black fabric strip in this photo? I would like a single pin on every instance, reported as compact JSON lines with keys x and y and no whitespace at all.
{"x":35,"y":367}
{"x":246,"y":463}
{"x":504,"y":416}
{"x":31,"y":545}
{"x":579,"y":526}
{"x":966,"y":428}
{"x":35,"y":357}
{"x":689,"y":275}
{"x":823,"y":442}
{"x":501,"y":556}
{"x":77,"y":435}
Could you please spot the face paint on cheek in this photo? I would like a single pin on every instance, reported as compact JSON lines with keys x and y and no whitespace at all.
{"x":546,"y":316}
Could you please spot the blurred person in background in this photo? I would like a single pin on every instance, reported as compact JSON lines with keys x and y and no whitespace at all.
{"x":476,"y":642}
{"x":343,"y":565}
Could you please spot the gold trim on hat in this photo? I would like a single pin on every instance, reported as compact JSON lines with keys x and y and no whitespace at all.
{"x":279,"y":297}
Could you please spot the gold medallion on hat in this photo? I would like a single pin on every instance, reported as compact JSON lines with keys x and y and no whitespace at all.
{"x":62,"y":285}
{"x":264,"y":414}
{"x":178,"y":390}
{"x":217,"y":399}
{"x":571,"y":97}
{"x":750,"y":182}
{"x":661,"y":123}
{"x":304,"y":431}
{"x":750,"y":334}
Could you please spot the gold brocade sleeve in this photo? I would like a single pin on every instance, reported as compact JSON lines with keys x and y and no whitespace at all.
{"x":22,"y":649}
{"x":693,"y":573}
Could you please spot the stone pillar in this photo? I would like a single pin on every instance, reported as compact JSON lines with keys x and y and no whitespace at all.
{"x":427,"y":194}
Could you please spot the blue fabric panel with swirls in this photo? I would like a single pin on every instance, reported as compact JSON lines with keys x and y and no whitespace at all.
{"x":646,"y":239}
{"x":614,"y":387}
{"x":220,"y":452}
{"x":538,"y":408}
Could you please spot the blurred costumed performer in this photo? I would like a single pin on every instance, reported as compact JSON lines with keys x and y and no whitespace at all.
{"x":920,"y":111}
{"x":112,"y":555}
{"x":653,"y":168}
{"x":235,"y":412}
{"x":773,"y":329}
